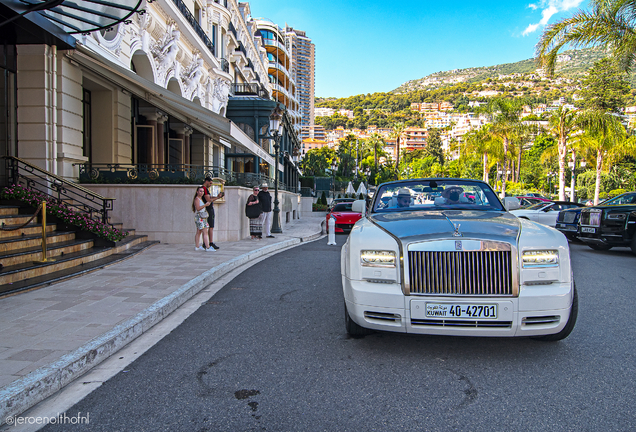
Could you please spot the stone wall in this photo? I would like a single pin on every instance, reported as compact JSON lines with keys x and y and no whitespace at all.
{"x":164,"y":212}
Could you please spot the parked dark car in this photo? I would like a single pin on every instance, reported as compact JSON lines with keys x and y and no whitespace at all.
{"x":610,"y":224}
{"x":568,"y":222}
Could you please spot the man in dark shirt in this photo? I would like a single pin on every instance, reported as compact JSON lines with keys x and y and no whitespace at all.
{"x":266,"y":204}
{"x":209,"y":198}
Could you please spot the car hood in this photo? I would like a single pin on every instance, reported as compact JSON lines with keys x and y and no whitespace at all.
{"x":433,"y":225}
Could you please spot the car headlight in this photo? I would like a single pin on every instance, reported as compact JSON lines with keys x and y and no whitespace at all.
{"x":540,"y":258}
{"x":617,"y":216}
{"x":377,"y":258}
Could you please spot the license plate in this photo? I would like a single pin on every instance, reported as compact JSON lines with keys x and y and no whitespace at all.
{"x":588,"y":230}
{"x":461,"y":311}
{"x":566,"y":227}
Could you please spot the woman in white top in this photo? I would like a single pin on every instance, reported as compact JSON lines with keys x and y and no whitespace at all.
{"x":199,"y":207}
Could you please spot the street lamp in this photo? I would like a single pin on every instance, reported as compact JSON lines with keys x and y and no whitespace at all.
{"x":276,"y":132}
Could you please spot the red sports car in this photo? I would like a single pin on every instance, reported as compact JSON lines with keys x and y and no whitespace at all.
{"x":345,"y":218}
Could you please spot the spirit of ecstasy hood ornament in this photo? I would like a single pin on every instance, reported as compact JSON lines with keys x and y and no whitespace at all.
{"x":457,"y":233}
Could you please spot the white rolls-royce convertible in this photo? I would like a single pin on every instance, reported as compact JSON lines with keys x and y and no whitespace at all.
{"x":445,"y":257}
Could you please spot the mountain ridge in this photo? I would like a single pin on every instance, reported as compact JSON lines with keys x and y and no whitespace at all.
{"x":570,"y":64}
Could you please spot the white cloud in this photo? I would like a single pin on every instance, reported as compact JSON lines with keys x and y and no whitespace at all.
{"x":548,"y":9}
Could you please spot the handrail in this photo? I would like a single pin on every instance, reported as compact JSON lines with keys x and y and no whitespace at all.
{"x":83,"y":200}
{"x":163,"y":173}
{"x":58,"y":178}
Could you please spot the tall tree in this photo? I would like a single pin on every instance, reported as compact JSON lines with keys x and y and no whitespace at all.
{"x":434,"y":146}
{"x":604,"y":136}
{"x":608,"y":23}
{"x":483,"y":143}
{"x":604,"y":87}
{"x":562,"y":123}
{"x":504,"y":115}
{"x":398,"y":134}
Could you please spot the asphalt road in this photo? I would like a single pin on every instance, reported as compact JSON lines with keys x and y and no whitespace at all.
{"x":269,"y":353}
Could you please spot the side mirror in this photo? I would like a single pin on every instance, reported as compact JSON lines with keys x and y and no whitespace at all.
{"x":511,"y":203}
{"x":359,"y":206}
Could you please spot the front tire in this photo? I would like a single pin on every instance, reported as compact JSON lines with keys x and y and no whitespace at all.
{"x":574,"y":312}
{"x":353,"y":329}
{"x":633,"y":244}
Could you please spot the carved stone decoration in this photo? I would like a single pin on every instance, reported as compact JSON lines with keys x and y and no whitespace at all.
{"x":140,"y":38}
{"x":165,"y":51}
{"x":220,"y":94}
{"x":191,"y":77}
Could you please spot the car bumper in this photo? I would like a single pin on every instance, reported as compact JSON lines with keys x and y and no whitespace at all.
{"x":605,"y":238}
{"x":567,"y":229}
{"x":538,"y":310}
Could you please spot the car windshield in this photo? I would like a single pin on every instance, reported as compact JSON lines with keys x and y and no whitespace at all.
{"x":628,"y":198}
{"x":439,"y":194}
{"x":342,"y":207}
{"x":537,"y":206}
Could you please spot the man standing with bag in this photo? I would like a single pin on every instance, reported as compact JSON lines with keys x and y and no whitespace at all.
{"x":266,"y":205}
{"x":209,"y":198}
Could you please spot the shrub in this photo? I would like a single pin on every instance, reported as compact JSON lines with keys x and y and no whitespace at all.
{"x":63,"y":212}
{"x":323,"y":198}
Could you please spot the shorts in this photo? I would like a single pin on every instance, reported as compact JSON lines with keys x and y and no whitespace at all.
{"x":211,"y":216}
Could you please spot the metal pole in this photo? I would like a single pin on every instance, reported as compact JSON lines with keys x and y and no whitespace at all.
{"x":44,"y":258}
{"x":572,"y":183}
{"x":276,"y":222}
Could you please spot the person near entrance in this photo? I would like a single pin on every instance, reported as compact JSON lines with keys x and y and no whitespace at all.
{"x":266,"y":205}
{"x":209,"y":198}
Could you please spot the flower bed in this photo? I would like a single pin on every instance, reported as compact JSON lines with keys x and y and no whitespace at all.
{"x":63,"y":212}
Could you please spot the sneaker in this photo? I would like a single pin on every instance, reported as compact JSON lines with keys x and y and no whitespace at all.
{"x":214,"y":246}
{"x":209,"y":250}
{"x":270,"y":236}
{"x":200,"y":248}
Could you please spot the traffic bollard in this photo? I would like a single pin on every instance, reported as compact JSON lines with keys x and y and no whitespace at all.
{"x":332,"y":231}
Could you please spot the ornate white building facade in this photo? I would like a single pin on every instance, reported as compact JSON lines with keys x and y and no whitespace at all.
{"x":154,"y":90}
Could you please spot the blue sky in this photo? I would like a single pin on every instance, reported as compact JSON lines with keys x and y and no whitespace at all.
{"x":372,"y":46}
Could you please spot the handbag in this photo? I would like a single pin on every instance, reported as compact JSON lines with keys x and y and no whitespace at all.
{"x":203,"y":214}
{"x":253,"y":211}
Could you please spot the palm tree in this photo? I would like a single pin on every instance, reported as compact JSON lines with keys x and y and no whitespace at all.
{"x":603,"y":138}
{"x":482,"y":142}
{"x":505,"y":124}
{"x":609,"y":24}
{"x":398,"y":132}
{"x":562,"y":125}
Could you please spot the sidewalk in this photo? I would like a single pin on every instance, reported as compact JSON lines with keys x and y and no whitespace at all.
{"x":53,"y":335}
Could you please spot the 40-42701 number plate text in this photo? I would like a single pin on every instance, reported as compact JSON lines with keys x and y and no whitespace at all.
{"x":465,"y":311}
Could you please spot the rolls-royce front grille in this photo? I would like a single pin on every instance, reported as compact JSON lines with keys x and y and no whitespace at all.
{"x":568,"y":217}
{"x":461,"y":273}
{"x":591,"y":218}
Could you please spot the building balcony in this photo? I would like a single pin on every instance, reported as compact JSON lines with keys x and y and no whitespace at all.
{"x":279,"y":67}
{"x":249,"y":89}
{"x":195,"y":25}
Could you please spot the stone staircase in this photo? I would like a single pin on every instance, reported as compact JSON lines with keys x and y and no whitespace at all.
{"x":73,"y":252}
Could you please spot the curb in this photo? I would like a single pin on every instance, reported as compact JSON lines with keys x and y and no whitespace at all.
{"x":38,"y":385}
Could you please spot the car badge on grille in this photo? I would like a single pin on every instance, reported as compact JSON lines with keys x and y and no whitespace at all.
{"x":458,"y":245}
{"x":457,"y":233}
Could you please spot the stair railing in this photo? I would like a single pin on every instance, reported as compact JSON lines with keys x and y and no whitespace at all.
{"x":74,"y":196}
